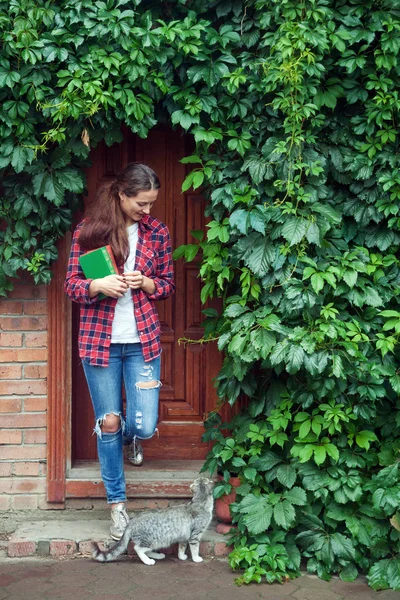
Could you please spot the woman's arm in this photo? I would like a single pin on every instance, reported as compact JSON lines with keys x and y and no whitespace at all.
{"x":85,"y":291}
{"x":76,"y":286}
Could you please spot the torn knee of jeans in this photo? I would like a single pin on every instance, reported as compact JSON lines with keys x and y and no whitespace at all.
{"x":148,"y":385}
{"x":99,"y":422}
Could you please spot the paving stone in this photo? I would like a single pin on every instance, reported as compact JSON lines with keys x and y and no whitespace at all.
{"x":387,"y":595}
{"x":316,"y":594}
{"x":279,"y":590}
{"x":267,"y":596}
{"x":235,"y":593}
{"x":29,"y":589}
{"x":66,"y":593}
{"x":111,"y":596}
{"x":71,"y":580}
{"x":34,"y":578}
{"x":192,"y":571}
{"x":311,"y":581}
{"x":110,"y":586}
{"x":354,"y":590}
{"x":6,"y":580}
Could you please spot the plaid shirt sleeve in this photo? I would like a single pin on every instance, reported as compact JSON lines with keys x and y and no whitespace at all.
{"x":164,"y":276}
{"x":76,"y":286}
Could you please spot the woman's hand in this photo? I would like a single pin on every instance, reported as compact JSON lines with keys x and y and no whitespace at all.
{"x":136,"y":280}
{"x":112,"y":285}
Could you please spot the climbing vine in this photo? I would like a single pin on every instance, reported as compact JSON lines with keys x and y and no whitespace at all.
{"x":294,"y":109}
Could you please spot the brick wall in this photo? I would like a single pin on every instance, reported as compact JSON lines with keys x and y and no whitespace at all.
{"x":23,"y":399}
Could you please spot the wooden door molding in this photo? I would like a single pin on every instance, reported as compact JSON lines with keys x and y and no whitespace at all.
{"x":59,"y":376}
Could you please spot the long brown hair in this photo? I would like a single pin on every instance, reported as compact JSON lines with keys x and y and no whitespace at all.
{"x":105,"y":222}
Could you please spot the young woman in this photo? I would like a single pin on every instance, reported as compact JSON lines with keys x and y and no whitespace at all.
{"x":119,"y":336}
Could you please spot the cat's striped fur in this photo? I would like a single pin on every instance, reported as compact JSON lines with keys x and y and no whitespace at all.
{"x":155,"y":529}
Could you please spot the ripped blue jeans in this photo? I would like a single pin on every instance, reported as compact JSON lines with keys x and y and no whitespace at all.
{"x":141,"y":381}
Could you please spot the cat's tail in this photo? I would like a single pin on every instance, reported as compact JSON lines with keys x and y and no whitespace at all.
{"x":112,"y":553}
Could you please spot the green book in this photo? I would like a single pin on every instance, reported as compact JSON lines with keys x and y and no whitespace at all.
{"x":98,"y":263}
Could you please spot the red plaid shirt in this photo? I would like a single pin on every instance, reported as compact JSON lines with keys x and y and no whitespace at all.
{"x":154,"y":260}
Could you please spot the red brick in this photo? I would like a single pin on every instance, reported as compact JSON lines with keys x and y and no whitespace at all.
{"x":10,"y":405}
{"x":35,"y":340}
{"x":5,"y":502}
{"x":23,"y":355}
{"x":26,"y":469}
{"x":85,"y":547}
{"x":21,"y":548}
{"x":11,"y":372}
{"x":35,"y":371}
{"x":28,"y":291}
{"x":62,"y":547}
{"x":221,"y":549}
{"x":22,"y":452}
{"x":35,"y":404}
{"x":10,"y":436}
{"x":35,"y":307}
{"x":23,"y":323}
{"x":10,"y":307}
{"x":6,"y":469}
{"x":35,"y":436}
{"x":10,"y":339}
{"x":23,"y":420}
{"x":22,"y":388}
{"x":22,"y":485}
{"x":205,"y":549}
{"x":24,"y":502}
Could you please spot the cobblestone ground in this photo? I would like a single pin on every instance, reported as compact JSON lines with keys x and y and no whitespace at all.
{"x":171,"y":579}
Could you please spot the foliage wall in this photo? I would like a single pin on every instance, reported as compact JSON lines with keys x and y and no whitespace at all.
{"x":294,"y":107}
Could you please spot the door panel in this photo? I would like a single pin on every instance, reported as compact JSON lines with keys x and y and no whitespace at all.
{"x":187,"y":393}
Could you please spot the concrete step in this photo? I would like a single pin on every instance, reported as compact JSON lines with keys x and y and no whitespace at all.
{"x":59,"y":538}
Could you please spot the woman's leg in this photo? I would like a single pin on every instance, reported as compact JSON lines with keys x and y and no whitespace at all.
{"x":142,"y":388}
{"x":105,"y":385}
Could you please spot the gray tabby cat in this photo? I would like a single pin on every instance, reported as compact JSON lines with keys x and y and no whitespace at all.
{"x":155,"y":529}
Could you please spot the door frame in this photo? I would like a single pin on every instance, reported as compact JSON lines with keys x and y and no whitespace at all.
{"x":59,"y":377}
{"x":62,"y":482}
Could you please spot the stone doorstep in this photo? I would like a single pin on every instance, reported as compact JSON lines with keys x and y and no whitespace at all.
{"x":74,"y":538}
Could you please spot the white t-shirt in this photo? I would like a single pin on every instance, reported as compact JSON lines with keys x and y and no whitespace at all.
{"x":124,"y":329}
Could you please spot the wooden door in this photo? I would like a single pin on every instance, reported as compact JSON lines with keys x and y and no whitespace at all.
{"x":187,"y":393}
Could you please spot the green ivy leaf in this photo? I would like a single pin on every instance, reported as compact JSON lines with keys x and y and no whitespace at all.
{"x":296,"y":496}
{"x":342,"y":546}
{"x":286,"y":475}
{"x":294,"y":229}
{"x":258,"y":513}
{"x":364,"y":439}
{"x":284,"y":514}
{"x":294,"y":358}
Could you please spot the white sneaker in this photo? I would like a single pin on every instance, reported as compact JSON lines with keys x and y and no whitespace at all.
{"x":119,"y":521}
